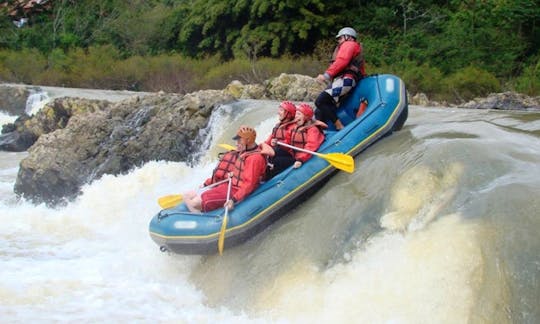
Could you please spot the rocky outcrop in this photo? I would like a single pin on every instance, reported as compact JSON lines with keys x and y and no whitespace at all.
{"x":505,"y":101}
{"x":502,"y":101}
{"x":113,"y":140}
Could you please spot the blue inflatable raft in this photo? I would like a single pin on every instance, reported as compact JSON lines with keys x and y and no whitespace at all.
{"x":179,"y":231}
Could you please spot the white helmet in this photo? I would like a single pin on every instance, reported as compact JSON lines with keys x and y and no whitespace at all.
{"x":346,"y":31}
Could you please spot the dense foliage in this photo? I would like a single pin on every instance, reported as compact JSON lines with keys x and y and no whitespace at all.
{"x":450,"y":50}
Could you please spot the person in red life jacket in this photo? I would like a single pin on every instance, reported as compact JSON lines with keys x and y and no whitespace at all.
{"x":245,"y":166}
{"x":346,"y":69}
{"x":283,"y":157}
{"x":307,"y":134}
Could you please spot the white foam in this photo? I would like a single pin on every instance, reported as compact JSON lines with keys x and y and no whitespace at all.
{"x":395,"y":278}
{"x":6,"y":119}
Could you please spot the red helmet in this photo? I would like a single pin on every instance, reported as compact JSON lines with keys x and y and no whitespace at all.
{"x":306,"y":110}
{"x":289,"y":107}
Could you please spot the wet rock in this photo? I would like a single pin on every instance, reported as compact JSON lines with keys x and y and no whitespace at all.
{"x":16,"y":141}
{"x":113,"y":140}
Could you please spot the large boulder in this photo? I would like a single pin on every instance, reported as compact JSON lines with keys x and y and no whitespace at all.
{"x":421,"y":99}
{"x":114,"y":140}
{"x":246,"y":91}
{"x":294,"y":87}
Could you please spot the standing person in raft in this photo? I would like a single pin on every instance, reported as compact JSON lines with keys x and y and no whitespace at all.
{"x":245,"y":166}
{"x":308,"y":134}
{"x":346,"y":69}
{"x":283,"y":156}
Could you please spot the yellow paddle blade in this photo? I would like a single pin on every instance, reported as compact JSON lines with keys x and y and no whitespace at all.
{"x":340,"y":161}
{"x":221,"y":238}
{"x":169,"y":201}
{"x":227,"y":146}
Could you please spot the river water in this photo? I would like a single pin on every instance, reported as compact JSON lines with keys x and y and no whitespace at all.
{"x":439,"y":223}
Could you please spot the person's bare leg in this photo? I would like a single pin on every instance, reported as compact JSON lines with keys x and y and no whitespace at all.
{"x":193,"y":201}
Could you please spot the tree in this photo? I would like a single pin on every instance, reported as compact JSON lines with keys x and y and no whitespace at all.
{"x":255,"y":28}
{"x":477,"y":34}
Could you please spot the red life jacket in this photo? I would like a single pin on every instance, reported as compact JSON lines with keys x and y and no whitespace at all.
{"x":282,"y":133}
{"x":279,"y":132}
{"x":249,"y":171}
{"x":225,"y":165}
{"x":238,"y":167}
{"x":301,"y":138}
{"x":356,"y":67}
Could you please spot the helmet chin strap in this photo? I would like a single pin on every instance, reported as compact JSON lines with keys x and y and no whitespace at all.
{"x":286,"y":116}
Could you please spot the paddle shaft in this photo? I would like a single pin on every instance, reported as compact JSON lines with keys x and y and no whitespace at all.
{"x":340,"y":161}
{"x":300,"y":149}
{"x":173,"y":200}
{"x":221,"y":238}
{"x":215,"y":184}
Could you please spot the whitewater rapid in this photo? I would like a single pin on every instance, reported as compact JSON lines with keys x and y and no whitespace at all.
{"x":438,"y":223}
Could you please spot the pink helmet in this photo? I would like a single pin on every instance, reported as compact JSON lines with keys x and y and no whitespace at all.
{"x":306,"y":110}
{"x":289,"y":107}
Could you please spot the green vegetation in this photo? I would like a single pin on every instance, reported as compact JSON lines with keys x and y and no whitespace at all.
{"x":450,"y":50}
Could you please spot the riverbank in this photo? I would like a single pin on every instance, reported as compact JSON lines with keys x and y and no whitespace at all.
{"x":14,"y":97}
